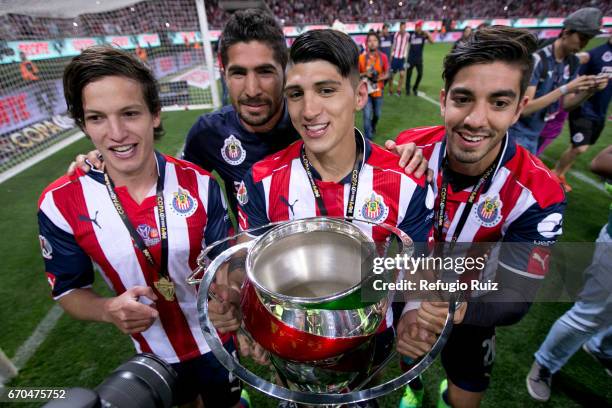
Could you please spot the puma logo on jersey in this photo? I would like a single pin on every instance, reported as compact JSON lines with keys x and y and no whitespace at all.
{"x":93,"y":220}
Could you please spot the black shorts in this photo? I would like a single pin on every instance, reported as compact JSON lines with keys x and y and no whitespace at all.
{"x":468,"y":357}
{"x":205,"y":376}
{"x":584,"y":131}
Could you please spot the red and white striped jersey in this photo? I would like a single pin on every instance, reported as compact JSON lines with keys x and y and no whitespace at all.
{"x":521,"y":203}
{"x":278,"y":189}
{"x":400,"y":41}
{"x":79,"y":224}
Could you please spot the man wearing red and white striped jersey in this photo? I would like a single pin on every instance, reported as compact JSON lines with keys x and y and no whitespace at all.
{"x":488,"y":189}
{"x":398,"y":58}
{"x":80,"y":224}
{"x":142,"y":220}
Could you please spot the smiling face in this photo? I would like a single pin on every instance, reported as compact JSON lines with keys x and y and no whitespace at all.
{"x":573,"y":41}
{"x":120,"y":125}
{"x":322,"y":105}
{"x":255,"y":83}
{"x":479,"y":107}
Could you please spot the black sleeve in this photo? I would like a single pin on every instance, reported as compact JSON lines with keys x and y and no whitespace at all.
{"x":505,"y":306}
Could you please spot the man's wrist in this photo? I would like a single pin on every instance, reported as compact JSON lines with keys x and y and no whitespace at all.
{"x":564,"y":90}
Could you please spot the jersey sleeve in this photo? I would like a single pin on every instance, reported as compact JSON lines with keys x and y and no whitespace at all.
{"x":195,"y":149}
{"x":218,"y":223}
{"x":251,"y":205}
{"x":68,"y":267}
{"x":528,"y":240}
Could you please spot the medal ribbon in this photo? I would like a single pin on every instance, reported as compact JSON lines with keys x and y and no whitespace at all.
{"x":350,"y":208}
{"x":468,"y":205}
{"x":162,"y":269}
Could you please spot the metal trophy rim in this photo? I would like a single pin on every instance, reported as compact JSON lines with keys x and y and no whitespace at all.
{"x":233,"y":366}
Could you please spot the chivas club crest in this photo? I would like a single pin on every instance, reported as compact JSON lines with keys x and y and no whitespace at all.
{"x":374,"y":209}
{"x":45,"y":247}
{"x":149,"y":234}
{"x":232,"y":151}
{"x":488,"y":211}
{"x":241,"y":194}
{"x":183,"y":203}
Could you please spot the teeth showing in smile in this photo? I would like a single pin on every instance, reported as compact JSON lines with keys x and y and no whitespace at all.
{"x":316,"y":127}
{"x":122,"y":149}
{"x":472,"y":138}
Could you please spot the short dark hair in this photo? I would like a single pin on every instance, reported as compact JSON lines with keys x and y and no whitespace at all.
{"x":372,"y":34}
{"x":101,"y":61}
{"x":328,"y":45}
{"x":490,"y":44}
{"x":254,"y":25}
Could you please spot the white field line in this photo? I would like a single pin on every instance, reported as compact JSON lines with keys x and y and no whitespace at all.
{"x":574,"y":173}
{"x":27,"y":349}
{"x":40,"y":156}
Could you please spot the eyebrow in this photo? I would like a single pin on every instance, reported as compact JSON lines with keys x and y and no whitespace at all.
{"x":326,"y":82}
{"x":257,"y":68}
{"x":497,"y":94}
{"x":134,"y":106}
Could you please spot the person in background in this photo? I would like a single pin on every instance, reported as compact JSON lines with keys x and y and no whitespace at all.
{"x":589,"y":322}
{"x":398,"y":59}
{"x":555,"y":75}
{"x":374,"y":70}
{"x":416,"y":42}
{"x":588,"y":120}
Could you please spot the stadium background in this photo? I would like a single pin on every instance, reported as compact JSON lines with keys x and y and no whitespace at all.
{"x":72,"y":353}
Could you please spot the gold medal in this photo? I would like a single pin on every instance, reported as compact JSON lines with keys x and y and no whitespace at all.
{"x":166,"y":288}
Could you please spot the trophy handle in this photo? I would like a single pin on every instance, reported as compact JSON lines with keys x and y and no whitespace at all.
{"x":276,"y":391}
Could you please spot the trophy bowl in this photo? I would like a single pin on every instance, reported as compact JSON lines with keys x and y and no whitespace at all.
{"x":303,"y":301}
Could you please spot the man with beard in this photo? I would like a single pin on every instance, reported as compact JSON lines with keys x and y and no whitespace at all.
{"x":488,"y":189}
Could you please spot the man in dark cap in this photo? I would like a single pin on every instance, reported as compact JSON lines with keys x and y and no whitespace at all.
{"x":555,"y":77}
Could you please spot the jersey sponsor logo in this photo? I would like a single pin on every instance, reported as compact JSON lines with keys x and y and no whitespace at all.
{"x":183,"y":203}
{"x":578,"y":137}
{"x":374,"y":209}
{"x":93,"y":220}
{"x":51,"y":280}
{"x":566,"y":72}
{"x":241,"y":194}
{"x":149,"y":234}
{"x":45,"y":247}
{"x":488,"y":211}
{"x":607,"y":57}
{"x":550,"y":226}
{"x":232,"y":151}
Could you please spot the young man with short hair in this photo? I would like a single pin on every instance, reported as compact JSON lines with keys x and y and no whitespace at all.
{"x":333,"y":171}
{"x":142,"y":220}
{"x":488,"y":189}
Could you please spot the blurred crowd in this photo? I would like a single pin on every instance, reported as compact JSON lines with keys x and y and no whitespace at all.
{"x":181,"y":15}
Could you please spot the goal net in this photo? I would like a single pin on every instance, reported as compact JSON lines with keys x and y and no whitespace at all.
{"x":39,"y":37}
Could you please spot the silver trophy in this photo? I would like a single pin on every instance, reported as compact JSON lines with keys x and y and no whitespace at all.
{"x":308,"y":301}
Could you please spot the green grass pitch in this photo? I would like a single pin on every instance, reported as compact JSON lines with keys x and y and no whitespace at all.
{"x":83,"y":353}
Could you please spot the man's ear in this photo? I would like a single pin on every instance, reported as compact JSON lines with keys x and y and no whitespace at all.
{"x":442,"y":101}
{"x":361,"y":95}
{"x":519,"y":109}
